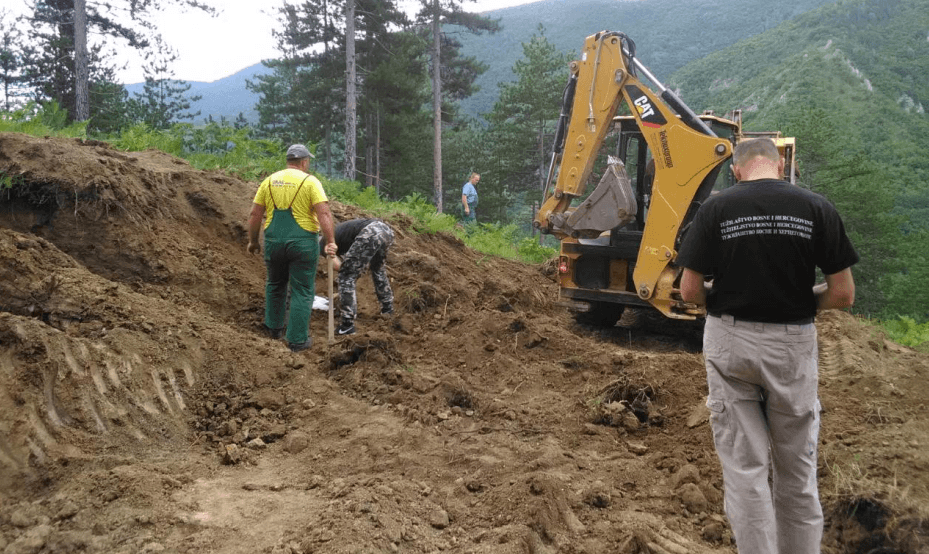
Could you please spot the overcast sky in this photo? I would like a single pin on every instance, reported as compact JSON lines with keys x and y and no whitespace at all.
{"x":210,"y":48}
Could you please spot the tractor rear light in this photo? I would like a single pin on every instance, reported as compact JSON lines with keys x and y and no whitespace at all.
{"x":563,"y":264}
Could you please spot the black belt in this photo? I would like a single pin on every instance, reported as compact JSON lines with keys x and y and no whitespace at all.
{"x":804,"y":321}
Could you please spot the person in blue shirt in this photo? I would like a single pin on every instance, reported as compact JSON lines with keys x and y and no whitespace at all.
{"x":469,"y":198}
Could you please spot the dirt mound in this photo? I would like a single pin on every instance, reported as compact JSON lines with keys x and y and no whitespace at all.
{"x":141,"y":410}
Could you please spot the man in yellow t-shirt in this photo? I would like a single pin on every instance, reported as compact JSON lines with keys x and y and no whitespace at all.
{"x":294,"y":208}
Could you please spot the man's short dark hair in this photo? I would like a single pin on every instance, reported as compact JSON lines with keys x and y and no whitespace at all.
{"x":748,"y":149}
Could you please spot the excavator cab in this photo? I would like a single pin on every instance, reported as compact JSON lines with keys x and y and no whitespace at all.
{"x":633,"y":151}
{"x":597,"y":273}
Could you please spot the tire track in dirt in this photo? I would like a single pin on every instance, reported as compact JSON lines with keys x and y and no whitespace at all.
{"x":77,"y":394}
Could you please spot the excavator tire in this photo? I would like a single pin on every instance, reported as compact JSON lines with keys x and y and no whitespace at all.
{"x":601,"y":314}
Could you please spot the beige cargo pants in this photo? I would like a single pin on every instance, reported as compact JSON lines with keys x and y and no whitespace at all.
{"x":764,"y":412}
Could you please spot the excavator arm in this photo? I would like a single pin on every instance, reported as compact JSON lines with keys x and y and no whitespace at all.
{"x":685,"y":150}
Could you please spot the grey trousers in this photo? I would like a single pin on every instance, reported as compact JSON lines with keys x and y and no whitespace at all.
{"x":764,"y":412}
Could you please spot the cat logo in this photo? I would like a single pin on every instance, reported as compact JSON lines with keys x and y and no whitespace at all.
{"x":644,"y":107}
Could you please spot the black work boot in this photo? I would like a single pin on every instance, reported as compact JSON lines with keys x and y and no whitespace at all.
{"x":346,"y":328}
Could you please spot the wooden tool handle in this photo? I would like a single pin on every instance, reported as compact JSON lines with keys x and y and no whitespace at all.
{"x":331,"y":303}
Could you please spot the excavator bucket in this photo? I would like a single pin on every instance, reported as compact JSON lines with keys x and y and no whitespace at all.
{"x":612,"y":204}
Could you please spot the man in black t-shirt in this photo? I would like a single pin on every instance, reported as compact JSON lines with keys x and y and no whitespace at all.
{"x":361,"y":243}
{"x":760,"y":242}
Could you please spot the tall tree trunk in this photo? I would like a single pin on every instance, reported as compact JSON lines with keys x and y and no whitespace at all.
{"x":329,"y":118}
{"x":329,"y":150}
{"x":377,"y":154}
{"x":437,"y":105}
{"x":369,"y":150}
{"x":350,"y":99}
{"x":543,"y":172}
{"x":81,"y":62}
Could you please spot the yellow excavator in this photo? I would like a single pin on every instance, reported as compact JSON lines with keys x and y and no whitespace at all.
{"x":619,"y":244}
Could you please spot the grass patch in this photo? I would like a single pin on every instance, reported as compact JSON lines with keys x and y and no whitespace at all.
{"x":40,"y":120}
{"x":906,"y":331}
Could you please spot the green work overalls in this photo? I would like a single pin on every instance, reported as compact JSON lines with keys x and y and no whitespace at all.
{"x":291,"y":255}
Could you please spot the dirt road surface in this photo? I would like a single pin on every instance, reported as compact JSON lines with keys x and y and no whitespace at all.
{"x":142,"y":410}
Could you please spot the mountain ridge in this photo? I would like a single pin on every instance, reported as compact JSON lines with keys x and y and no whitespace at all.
{"x":223,"y":98}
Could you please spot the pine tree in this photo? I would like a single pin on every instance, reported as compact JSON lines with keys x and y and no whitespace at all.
{"x":302,"y":99}
{"x":437,"y":13}
{"x":351,"y":99}
{"x":163,"y":100}
{"x":51,"y":66}
{"x":306,"y":97}
{"x":396,"y":87}
{"x":111,"y":109}
{"x":524,"y":118}
{"x":392,"y":78}
{"x":11,"y":60}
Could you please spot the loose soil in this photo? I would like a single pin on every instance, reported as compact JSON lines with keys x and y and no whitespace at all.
{"x":142,"y":409}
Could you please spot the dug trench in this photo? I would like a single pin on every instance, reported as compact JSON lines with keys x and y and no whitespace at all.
{"x":142,"y":410}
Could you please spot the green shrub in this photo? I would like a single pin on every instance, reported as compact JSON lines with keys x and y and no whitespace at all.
{"x":141,"y":137}
{"x":423,"y":212}
{"x":506,"y":241}
{"x":47,"y":119}
{"x":906,"y":331}
{"x":531,"y":251}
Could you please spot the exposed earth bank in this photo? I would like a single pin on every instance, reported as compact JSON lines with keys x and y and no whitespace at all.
{"x":142,"y":410}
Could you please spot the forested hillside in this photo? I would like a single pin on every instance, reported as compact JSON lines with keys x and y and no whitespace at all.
{"x":849,"y":80}
{"x":865,"y":61}
{"x":668,"y":33}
